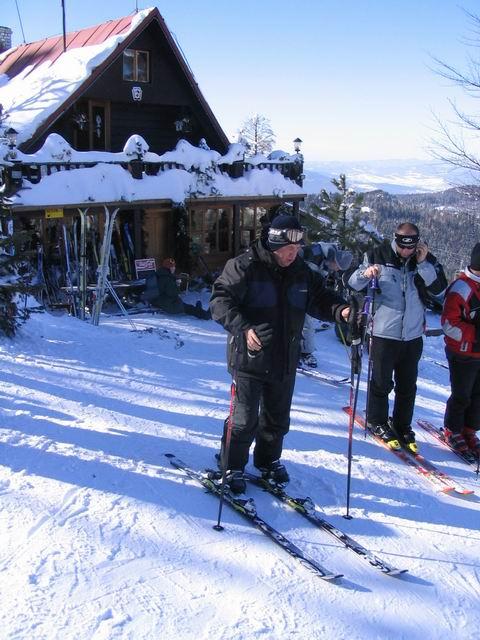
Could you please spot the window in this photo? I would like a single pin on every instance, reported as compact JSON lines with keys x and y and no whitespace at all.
{"x":250,"y":225}
{"x":136,"y":65}
{"x":211,"y":230}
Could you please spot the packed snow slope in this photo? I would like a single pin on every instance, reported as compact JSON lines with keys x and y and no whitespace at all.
{"x":101,"y":538}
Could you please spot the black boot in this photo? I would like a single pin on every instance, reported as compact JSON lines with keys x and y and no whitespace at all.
{"x":407,"y":436}
{"x":276,"y":472}
{"x":386,"y":433}
{"x":236,"y":481}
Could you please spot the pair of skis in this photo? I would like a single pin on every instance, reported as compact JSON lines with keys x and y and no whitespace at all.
{"x":304,"y":506}
{"x":439,"y":434}
{"x":420,"y":464}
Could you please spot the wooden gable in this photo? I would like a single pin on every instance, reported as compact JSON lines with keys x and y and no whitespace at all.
{"x":106,"y":109}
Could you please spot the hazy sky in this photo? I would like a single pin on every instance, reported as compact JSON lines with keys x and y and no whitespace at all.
{"x":349,"y":77}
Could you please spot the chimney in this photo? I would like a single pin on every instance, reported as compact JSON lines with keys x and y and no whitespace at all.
{"x":5,"y":39}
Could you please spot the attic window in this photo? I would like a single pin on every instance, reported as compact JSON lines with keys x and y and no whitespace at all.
{"x":136,"y":65}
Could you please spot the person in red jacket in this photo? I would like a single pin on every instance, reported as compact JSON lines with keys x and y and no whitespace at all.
{"x":461,"y":326}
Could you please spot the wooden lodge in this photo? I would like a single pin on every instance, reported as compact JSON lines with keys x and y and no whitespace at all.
{"x":127,"y":134}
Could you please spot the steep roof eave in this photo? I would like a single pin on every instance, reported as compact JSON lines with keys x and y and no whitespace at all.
{"x":153,"y":15}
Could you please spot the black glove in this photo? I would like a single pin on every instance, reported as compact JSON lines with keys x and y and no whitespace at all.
{"x":354,"y":320}
{"x":264,"y":333}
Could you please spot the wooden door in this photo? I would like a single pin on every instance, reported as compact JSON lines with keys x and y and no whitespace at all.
{"x":158,"y":235}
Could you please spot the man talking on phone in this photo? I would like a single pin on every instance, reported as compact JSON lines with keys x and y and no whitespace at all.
{"x":405,"y":270}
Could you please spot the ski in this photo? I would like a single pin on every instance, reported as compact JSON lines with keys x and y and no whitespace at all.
{"x":322,"y":377}
{"x":433,"y":332}
{"x":418,"y":462}
{"x":307,"y":508}
{"x":439,"y":434}
{"x":247,"y":509}
{"x":439,"y":363}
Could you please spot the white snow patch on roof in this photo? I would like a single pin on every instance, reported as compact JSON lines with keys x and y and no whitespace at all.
{"x":112,"y":183}
{"x":32,"y":96}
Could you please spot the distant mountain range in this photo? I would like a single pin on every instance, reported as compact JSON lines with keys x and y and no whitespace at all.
{"x":393,"y":176}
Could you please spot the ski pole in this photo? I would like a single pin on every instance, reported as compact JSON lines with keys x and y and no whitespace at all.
{"x":355,"y":370}
{"x":369,"y":311}
{"x":227,"y":436}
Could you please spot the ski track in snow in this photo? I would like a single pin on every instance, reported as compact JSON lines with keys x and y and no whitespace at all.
{"x":101,"y":538}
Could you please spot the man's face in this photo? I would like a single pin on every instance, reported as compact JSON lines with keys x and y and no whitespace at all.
{"x":406,"y":252}
{"x":287,"y":254}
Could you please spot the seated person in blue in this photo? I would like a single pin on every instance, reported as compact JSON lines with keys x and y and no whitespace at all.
{"x":161,"y":291}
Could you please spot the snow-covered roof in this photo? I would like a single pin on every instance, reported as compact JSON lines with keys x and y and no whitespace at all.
{"x":39,"y":80}
{"x":188,"y":172}
{"x":38,"y":89}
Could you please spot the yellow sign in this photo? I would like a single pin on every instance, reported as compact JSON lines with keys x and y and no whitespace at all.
{"x":53,"y":213}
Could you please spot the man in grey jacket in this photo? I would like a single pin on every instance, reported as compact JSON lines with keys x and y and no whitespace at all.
{"x":404,"y":269}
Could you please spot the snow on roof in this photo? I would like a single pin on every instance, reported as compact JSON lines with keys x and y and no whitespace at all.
{"x":111,"y":183}
{"x":37,"y":91}
{"x":198,"y":174}
{"x":191,"y":157}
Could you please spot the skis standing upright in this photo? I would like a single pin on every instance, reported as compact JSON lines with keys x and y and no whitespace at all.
{"x":82,"y":275}
{"x":68,"y":272}
{"x":103,"y":265}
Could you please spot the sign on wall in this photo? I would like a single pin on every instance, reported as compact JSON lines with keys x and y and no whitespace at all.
{"x":53,"y":213}
{"x":145,"y":264}
{"x":137,"y":93}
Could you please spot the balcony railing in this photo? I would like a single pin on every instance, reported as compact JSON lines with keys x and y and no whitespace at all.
{"x":57,"y":155}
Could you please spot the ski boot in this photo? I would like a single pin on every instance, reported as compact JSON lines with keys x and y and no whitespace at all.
{"x":407,"y":436}
{"x":472,"y":440}
{"x":385,"y":433}
{"x":236,"y":481}
{"x":456,"y":441}
{"x":275,"y":472}
{"x":308,"y":360}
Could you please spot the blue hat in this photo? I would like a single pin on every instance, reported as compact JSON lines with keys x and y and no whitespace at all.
{"x":283,"y":231}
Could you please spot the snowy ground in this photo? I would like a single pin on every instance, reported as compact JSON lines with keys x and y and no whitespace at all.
{"x":101,"y":538}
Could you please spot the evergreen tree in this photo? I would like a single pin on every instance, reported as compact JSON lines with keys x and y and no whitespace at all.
{"x":15,"y":269}
{"x":341,"y":218}
{"x":257,"y":135}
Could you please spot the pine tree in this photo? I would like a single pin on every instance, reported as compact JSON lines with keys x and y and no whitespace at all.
{"x":15,"y":267}
{"x":257,"y":135}
{"x":346,"y":225}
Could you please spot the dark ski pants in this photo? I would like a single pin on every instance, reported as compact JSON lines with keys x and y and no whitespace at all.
{"x":261,"y":413}
{"x":394,"y":360}
{"x":463,"y":405}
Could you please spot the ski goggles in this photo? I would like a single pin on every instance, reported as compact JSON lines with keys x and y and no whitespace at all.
{"x":288,"y":236}
{"x":406,"y":242}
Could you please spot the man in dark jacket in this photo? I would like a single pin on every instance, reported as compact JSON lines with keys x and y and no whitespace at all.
{"x":404,"y":269}
{"x":261,"y":299}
